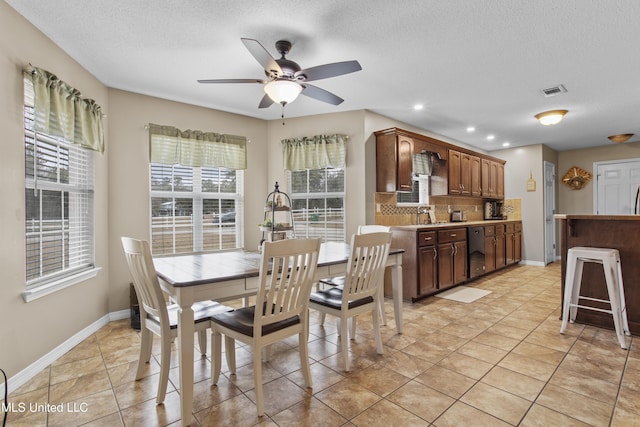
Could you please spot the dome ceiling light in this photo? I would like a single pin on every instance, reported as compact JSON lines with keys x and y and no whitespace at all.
{"x":620,"y":138}
{"x":551,"y":117}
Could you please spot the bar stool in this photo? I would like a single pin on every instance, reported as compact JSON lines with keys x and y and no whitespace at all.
{"x":610,"y":261}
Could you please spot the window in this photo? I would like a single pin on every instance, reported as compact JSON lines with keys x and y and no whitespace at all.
{"x":195,"y":209}
{"x":317,"y":198}
{"x":59,"y":205}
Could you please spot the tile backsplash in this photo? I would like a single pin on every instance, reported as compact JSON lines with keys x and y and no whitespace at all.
{"x":387,"y":211}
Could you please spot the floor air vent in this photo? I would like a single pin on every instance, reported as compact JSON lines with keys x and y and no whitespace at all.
{"x":552,"y":91}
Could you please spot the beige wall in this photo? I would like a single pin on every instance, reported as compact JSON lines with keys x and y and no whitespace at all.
{"x":129,"y":207}
{"x":31,"y":330}
{"x":349,"y":124}
{"x":521,"y":162}
{"x":581,"y":201}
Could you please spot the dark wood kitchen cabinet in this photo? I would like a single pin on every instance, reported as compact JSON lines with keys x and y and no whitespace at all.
{"x":455,"y":168}
{"x":452,"y":257}
{"x":436,"y":258}
{"x":464,"y":174}
{"x":501,"y":259}
{"x":428,"y":262}
{"x":492,"y":179}
{"x":419,"y":262}
{"x":489,"y":248}
{"x":476,"y":179}
{"x":394,"y":154}
{"x":513,"y":242}
{"x":394,"y":160}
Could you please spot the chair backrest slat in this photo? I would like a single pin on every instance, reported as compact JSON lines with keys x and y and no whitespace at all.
{"x":145,"y":279}
{"x":366,"y":229}
{"x":287,"y":272}
{"x":365,"y":269}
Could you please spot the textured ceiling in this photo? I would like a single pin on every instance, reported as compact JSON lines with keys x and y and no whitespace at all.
{"x":477,"y":63}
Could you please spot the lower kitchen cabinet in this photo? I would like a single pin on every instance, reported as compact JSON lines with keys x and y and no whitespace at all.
{"x":489,"y":248}
{"x":428,"y":267}
{"x":513,"y":243}
{"x":452,"y":257}
{"x":436,"y":258}
{"x":501,"y":259}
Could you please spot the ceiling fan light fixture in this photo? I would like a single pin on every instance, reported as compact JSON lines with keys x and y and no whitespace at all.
{"x":283,"y":91}
{"x":620,"y":138}
{"x":551,"y":117}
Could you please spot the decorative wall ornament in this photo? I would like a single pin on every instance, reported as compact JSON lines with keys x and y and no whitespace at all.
{"x":531,"y":183}
{"x":576,"y":178}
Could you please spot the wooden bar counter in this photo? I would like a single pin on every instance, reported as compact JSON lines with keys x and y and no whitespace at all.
{"x":621,"y":232}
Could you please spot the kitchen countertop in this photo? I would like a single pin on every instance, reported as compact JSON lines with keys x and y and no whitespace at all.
{"x":599,"y":217}
{"x":453,"y":224}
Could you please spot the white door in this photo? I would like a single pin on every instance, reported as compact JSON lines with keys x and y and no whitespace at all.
{"x":617,"y":184}
{"x":549,"y":210}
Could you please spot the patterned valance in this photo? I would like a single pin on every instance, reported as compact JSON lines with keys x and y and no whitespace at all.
{"x":316,"y":152}
{"x":61,"y":111}
{"x":171,"y":146}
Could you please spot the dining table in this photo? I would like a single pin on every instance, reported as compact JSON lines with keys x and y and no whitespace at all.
{"x":234,"y":274}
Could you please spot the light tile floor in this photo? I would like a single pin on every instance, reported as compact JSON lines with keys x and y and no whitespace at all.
{"x":498,"y":361}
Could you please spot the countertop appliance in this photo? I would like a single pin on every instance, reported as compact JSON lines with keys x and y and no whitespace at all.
{"x":494,"y":210}
{"x":476,"y":251}
{"x":457,"y":216}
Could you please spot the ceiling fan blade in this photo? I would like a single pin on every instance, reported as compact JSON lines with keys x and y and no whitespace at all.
{"x":329,"y":70}
{"x":265,"y":102}
{"x":261,"y":55}
{"x":231,"y":81}
{"x":321,"y":95}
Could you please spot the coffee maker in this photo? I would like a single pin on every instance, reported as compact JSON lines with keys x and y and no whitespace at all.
{"x":493,"y":209}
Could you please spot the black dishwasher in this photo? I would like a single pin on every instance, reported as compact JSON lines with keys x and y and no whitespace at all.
{"x":476,"y":251}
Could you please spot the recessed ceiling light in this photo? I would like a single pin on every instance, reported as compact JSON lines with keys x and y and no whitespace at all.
{"x":491,"y":137}
{"x":471,"y":129}
{"x":418,"y":107}
{"x":506,"y":144}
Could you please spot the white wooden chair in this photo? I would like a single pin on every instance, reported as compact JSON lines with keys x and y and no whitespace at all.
{"x":339,"y":280}
{"x":361,"y":290}
{"x":156,"y":316}
{"x":287,"y":273}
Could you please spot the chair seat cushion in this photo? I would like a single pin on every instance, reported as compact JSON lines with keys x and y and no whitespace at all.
{"x":333,"y":281}
{"x":202,"y":312}
{"x":332,"y":298}
{"x":241,"y":320}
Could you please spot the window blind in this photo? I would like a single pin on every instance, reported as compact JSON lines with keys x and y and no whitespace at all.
{"x":59,"y":204}
{"x":318,"y":203}
{"x":195,"y":209}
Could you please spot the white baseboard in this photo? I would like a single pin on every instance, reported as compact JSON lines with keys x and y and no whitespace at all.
{"x":36,"y":367}
{"x":534,"y":263}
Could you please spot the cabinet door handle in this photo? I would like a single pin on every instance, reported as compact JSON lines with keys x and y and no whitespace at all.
{"x":453,"y":249}
{"x":435,"y":253}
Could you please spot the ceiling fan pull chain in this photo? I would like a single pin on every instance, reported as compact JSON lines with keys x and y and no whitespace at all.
{"x":282,"y":116}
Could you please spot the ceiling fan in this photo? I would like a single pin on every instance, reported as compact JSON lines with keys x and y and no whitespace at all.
{"x":286,"y":79}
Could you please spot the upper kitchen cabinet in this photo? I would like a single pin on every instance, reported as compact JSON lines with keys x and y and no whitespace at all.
{"x":464,"y":174}
{"x":456,"y":171}
{"x":394,"y":157}
{"x":492,"y":178}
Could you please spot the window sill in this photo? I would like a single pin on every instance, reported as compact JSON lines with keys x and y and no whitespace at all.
{"x":49,"y":288}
